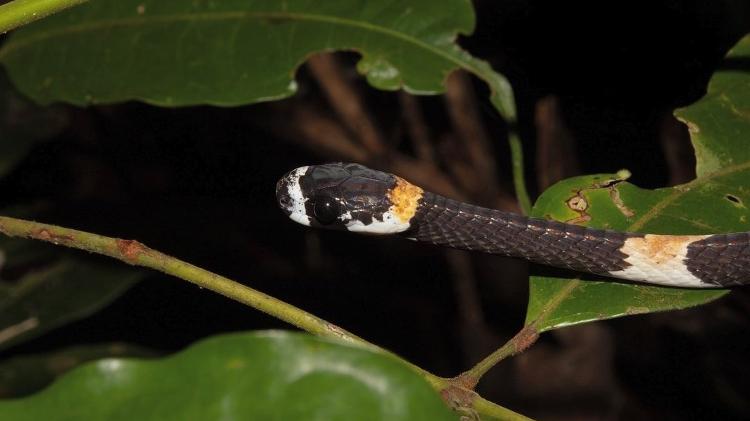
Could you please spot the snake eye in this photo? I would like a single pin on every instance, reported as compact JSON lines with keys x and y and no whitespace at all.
{"x":327,"y":209}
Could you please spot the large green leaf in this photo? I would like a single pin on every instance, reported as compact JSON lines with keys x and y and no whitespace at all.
{"x":715,"y":202}
{"x":232,"y":52}
{"x":54,"y":292}
{"x":263,"y":376}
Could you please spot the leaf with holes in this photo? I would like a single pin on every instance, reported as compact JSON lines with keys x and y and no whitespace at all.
{"x":715,"y":202}
{"x":263,"y":376}
{"x":234,"y":52}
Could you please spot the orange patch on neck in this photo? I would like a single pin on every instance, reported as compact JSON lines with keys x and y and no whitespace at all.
{"x":404,"y":198}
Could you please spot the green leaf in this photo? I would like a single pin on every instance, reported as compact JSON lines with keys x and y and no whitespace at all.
{"x":234,"y":52}
{"x":27,"y":374}
{"x":54,"y":294}
{"x":263,"y":376}
{"x":715,"y":202}
{"x":719,"y":123}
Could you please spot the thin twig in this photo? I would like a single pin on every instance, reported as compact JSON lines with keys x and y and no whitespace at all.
{"x":417,"y":128}
{"x":523,"y":339}
{"x":424,"y":175}
{"x":313,"y":129}
{"x":479,"y":175}
{"x":485,"y":407}
{"x":135,"y":253}
{"x":346,"y":102}
{"x":12,"y":331}
{"x":556,"y":157}
{"x":467,"y":124}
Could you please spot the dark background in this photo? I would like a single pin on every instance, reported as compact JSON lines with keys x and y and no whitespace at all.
{"x":595,"y":84}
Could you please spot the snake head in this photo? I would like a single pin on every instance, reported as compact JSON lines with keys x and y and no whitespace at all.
{"x":349,"y":197}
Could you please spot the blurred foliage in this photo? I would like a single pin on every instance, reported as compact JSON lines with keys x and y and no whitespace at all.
{"x":56,"y":293}
{"x":21,"y":124}
{"x":39,"y":289}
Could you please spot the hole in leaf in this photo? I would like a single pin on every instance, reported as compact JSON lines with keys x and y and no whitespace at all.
{"x":734,"y":199}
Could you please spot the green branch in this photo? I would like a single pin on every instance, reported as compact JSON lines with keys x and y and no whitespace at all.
{"x":20,"y":12}
{"x":135,"y":253}
{"x":523,"y":339}
{"x":519,"y":343}
{"x":489,"y":409}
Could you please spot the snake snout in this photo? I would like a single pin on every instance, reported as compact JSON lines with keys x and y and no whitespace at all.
{"x":282,"y":194}
{"x":290,"y":196}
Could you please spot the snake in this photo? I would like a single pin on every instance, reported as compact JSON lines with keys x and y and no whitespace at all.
{"x":352,"y":197}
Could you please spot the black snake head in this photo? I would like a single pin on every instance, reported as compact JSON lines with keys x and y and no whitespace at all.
{"x":349,"y":197}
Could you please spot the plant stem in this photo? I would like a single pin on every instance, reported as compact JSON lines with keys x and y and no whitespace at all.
{"x":519,"y":182}
{"x":21,"y":12}
{"x":135,"y":253}
{"x":489,"y":409}
{"x":523,"y":339}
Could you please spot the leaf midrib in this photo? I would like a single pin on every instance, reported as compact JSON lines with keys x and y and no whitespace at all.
{"x":237,"y":15}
